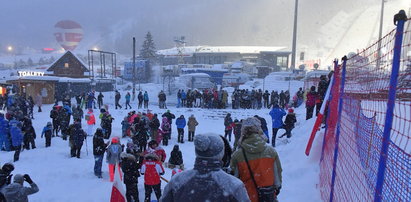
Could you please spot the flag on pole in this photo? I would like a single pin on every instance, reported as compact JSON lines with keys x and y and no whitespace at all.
{"x":319,"y":120}
{"x":118,"y":194}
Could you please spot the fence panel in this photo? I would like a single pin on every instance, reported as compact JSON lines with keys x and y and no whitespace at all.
{"x":362,"y":125}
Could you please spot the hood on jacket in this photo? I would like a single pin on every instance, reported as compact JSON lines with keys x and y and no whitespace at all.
{"x":253,"y":143}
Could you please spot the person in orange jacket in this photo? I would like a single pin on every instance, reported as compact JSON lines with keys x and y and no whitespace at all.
{"x":152,"y":169}
{"x":91,"y":121}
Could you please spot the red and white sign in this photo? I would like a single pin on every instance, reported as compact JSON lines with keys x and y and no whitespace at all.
{"x":68,"y":34}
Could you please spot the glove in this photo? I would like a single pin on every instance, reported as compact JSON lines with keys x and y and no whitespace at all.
{"x":8,"y":179}
{"x":27,"y":178}
{"x":277,"y":191}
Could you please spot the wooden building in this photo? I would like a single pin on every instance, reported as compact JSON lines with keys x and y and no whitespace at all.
{"x":69,"y":65}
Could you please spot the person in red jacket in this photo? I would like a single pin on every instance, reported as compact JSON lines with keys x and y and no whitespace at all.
{"x":91,"y":121}
{"x":310,"y":103}
{"x":154,"y":148}
{"x":152,"y":169}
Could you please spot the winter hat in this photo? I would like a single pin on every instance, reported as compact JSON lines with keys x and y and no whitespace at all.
{"x":291,"y":110}
{"x":8,"y":168}
{"x":251,"y":122}
{"x":250,"y":126}
{"x":18,"y":178}
{"x":209,"y":146}
{"x":115,"y":140}
{"x":48,"y":123}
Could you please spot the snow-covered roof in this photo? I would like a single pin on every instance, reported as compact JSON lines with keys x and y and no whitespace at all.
{"x":316,"y":73}
{"x":196,"y":74}
{"x":189,"y":50}
{"x":214,"y":69}
{"x":75,"y":56}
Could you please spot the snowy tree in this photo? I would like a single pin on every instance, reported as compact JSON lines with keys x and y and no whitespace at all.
{"x":41,"y":61}
{"x":30,"y":62}
{"x":51,"y":60}
{"x":21,"y":63}
{"x":148,"y":50}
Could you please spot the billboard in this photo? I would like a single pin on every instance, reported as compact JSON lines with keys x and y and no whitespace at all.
{"x":142,"y":68}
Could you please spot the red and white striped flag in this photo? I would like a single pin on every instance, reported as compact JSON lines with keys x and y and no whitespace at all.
{"x":118,"y":194}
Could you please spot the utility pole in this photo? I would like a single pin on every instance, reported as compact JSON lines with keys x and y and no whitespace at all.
{"x":380,"y":35}
{"x":293,"y":54}
{"x":134,"y":67}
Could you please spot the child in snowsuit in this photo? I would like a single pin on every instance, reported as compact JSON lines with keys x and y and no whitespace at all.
{"x":47,"y":132}
{"x":113,"y":156}
{"x":176,"y":158}
{"x":289,"y":123}
{"x":152,"y":169}
{"x":166,"y":128}
{"x":129,"y":166}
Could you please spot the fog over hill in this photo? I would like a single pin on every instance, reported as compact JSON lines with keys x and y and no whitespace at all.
{"x":110,"y":24}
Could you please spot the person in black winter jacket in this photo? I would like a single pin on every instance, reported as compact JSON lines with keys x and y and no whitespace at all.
{"x":99,"y":148}
{"x":129,"y":166}
{"x":263,"y":126}
{"x":5,"y":175}
{"x":29,"y":134}
{"x":117,"y":99}
{"x":154,"y":125}
{"x":77,"y":137}
{"x":176,"y":158}
{"x":289,"y":123}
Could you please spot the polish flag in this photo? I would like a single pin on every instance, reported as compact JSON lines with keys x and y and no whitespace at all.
{"x":118,"y":194}
{"x":320,"y":117}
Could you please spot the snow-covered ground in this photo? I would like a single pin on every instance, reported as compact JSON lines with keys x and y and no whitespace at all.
{"x":61,"y":178}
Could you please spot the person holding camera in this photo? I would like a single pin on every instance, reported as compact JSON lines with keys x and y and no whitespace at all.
{"x":16,"y":192}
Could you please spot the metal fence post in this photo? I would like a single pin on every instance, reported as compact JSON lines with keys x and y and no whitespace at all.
{"x":337,"y":136}
{"x":399,"y":20}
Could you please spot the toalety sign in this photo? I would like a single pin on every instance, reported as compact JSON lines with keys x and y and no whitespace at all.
{"x":29,"y":73}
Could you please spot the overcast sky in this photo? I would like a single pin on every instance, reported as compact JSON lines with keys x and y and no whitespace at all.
{"x":110,"y":24}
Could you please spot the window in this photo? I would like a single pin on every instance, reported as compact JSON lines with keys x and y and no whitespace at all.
{"x":282,"y":61}
{"x":66,"y":65}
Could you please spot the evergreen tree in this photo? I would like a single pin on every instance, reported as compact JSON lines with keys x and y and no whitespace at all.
{"x":21,"y":63}
{"x":51,"y":60}
{"x":41,"y":61}
{"x":148,"y":50}
{"x":30,"y":62}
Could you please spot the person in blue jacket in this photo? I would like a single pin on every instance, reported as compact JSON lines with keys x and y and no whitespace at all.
{"x":16,"y":137}
{"x":183,"y":98}
{"x":146,"y":100}
{"x":128,"y":98}
{"x":47,"y":132}
{"x":276,"y":114}
{"x":181,"y":124}
{"x":4,"y":134}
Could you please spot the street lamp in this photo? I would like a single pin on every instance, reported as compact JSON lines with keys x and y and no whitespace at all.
{"x":10,"y":48}
{"x":293,"y":54}
{"x":380,"y":34}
